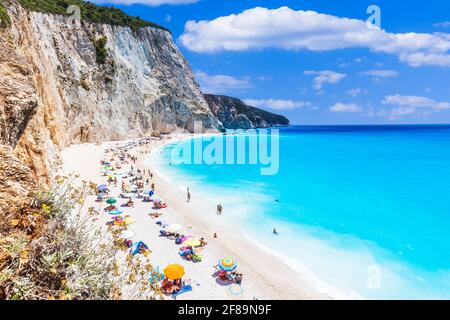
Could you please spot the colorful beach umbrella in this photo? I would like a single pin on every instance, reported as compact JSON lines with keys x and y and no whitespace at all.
{"x":115,"y":212}
{"x":174,"y":271}
{"x":102,"y":187}
{"x":111,"y":201}
{"x":192,"y":242}
{"x":227,"y":264}
{"x":185,"y":238}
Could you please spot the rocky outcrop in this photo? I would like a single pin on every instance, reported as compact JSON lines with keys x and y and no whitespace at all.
{"x":74,"y":88}
{"x":16,"y":182}
{"x":18,"y":98}
{"x":235,"y":114}
{"x":18,"y":104}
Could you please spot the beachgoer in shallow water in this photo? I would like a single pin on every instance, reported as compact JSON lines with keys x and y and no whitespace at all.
{"x":275,"y":231}
{"x":188,"y":195}
{"x":219,"y":209}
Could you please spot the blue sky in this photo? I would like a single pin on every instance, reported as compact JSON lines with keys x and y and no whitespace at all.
{"x":321,"y":67}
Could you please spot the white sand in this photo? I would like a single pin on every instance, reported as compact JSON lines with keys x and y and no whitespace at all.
{"x":265,"y":276}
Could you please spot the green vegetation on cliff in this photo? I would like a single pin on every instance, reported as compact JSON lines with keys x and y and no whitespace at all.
{"x":100,"y":49}
{"x":5,"y":21}
{"x":89,"y":12}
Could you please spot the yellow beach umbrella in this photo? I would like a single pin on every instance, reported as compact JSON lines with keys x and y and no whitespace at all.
{"x":192,"y":242}
{"x":174,"y":271}
{"x":227,"y":264}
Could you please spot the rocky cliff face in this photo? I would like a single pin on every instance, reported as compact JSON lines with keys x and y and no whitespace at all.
{"x":16,"y":183}
{"x":235,"y":114}
{"x":58,"y":89}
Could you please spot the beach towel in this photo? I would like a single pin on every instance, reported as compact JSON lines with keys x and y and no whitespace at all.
{"x":135,"y":248}
{"x":181,"y":291}
{"x":115,"y":212}
{"x":156,"y":276}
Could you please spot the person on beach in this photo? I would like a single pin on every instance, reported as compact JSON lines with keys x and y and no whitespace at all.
{"x":215,"y":235}
{"x":188,"y":195}
{"x":275,"y":231}
{"x":219,"y":209}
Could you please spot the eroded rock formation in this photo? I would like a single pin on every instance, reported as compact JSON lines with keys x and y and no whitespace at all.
{"x":235,"y":114}
{"x":58,"y":88}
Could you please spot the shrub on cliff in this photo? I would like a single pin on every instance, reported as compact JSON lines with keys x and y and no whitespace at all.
{"x":5,"y":21}
{"x":100,"y":49}
{"x":89,"y":12}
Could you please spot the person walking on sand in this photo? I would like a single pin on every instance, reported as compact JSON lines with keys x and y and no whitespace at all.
{"x":188,"y":195}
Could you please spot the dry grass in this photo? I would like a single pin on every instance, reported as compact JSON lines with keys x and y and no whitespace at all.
{"x":67,"y":255}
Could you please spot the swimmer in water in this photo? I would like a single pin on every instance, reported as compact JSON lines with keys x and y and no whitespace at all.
{"x":275,"y":231}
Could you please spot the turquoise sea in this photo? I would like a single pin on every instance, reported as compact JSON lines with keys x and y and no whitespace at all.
{"x":363,"y":210}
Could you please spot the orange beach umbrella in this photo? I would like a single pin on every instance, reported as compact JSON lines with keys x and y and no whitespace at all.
{"x":174,"y":271}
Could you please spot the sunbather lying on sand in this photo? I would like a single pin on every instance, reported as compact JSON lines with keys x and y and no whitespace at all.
{"x":203,"y":242}
{"x":110,"y":208}
{"x":155,"y":215}
{"x":169,"y":287}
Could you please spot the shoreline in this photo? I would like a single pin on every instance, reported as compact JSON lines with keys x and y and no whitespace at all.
{"x":256,"y":262}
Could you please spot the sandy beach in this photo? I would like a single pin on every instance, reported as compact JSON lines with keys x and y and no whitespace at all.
{"x":265,"y":276}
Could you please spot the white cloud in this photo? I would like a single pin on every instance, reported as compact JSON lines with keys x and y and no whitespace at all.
{"x":277,"y":104}
{"x":345,"y":107}
{"x":152,"y":3}
{"x":444,"y":24}
{"x":408,"y":105}
{"x":415,"y":102}
{"x":221,"y":83}
{"x":345,"y":65}
{"x":381,"y":73}
{"x":287,"y":29}
{"x":326,"y":76}
{"x":356,"y":92}
{"x":401,"y":111}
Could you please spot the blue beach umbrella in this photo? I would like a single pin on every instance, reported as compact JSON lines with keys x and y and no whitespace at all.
{"x":102,"y":187}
